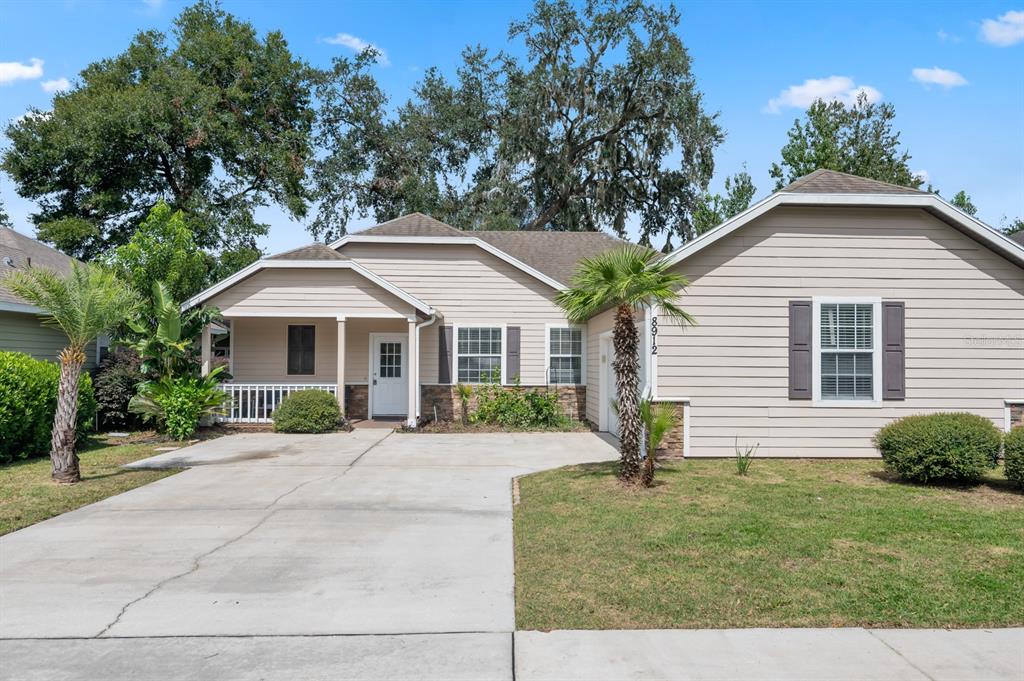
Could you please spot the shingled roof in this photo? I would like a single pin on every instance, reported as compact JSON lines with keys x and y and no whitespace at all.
{"x":1018,"y":237}
{"x":555,"y":254}
{"x":413,"y":224}
{"x":18,"y":251}
{"x":823,"y":181}
{"x":311,"y":252}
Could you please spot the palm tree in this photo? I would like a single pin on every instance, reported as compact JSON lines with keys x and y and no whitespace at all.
{"x":658,"y":419}
{"x":84,"y":304}
{"x":625,"y":279}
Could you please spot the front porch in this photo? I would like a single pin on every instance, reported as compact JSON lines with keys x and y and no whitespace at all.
{"x":369,"y":363}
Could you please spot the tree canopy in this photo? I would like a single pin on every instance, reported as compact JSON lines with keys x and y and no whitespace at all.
{"x":601,"y":123}
{"x":164,"y":249}
{"x":858,"y":139}
{"x":963,"y":201}
{"x":212,"y":119}
{"x":716,"y":209}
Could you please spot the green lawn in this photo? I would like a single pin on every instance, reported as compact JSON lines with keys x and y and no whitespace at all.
{"x":28,"y":496}
{"x":797,"y":543}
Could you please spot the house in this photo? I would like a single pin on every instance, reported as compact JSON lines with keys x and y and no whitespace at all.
{"x":21,"y":329}
{"x":824,"y":311}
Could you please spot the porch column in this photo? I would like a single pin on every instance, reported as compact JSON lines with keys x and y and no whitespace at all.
{"x":341,"y":363}
{"x":414,"y":353}
{"x":205,"y":350}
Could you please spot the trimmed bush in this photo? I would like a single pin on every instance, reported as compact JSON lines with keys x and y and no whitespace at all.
{"x":516,"y":409}
{"x":949,"y":447}
{"x":116,"y":383}
{"x":1013,"y":451}
{"x":28,"y":400}
{"x":307,"y":411}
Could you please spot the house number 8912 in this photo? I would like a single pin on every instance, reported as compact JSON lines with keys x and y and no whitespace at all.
{"x":654,"y":335}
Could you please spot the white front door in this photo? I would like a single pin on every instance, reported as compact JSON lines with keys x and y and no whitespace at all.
{"x":608,"y":394}
{"x":389,"y":380}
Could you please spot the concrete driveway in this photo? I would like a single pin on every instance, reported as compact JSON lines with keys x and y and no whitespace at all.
{"x":371,"y":555}
{"x":364,"y":555}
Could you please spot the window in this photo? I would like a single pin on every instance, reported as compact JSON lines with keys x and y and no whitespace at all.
{"x":847,"y":351}
{"x":390,"y":360}
{"x":301,"y":350}
{"x":479,"y":351}
{"x":565,"y":350}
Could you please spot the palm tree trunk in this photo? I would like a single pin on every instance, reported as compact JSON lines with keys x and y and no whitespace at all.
{"x":627,"y":388}
{"x":63,"y":457}
{"x":647,"y":476}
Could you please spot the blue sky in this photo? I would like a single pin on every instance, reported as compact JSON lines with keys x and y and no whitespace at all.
{"x":954,"y":71}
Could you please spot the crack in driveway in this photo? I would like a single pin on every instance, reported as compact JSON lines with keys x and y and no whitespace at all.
{"x":196,"y":563}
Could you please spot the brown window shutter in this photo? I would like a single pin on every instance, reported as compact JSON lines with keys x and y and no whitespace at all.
{"x":444,"y":354}
{"x":894,"y":351}
{"x":801,"y":319}
{"x":512,"y":338}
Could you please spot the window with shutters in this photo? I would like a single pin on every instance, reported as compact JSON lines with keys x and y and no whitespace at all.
{"x":301,"y":350}
{"x":847,"y":358}
{"x":479,"y":353}
{"x":565,"y":355}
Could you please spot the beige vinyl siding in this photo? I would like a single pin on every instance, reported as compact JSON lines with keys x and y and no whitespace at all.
{"x":261,"y":348}
{"x":309,"y":291}
{"x":21,"y":332}
{"x":468,"y":287}
{"x":964,"y":326}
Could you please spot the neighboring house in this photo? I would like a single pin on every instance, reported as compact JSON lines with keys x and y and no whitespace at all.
{"x":21,"y":329}
{"x":824,"y":311}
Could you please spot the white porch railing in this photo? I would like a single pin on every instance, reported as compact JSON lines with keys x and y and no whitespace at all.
{"x":255,"y":402}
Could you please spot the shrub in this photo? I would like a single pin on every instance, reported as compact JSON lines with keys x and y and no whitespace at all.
{"x":177,"y":404}
{"x":116,"y":383}
{"x":1013,"y":451}
{"x":952,"y":447}
{"x":516,"y":409}
{"x":307,"y":411}
{"x":28,"y":400}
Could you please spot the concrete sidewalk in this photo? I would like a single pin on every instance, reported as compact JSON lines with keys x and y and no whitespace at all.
{"x":682,"y":655}
{"x":766,"y":654}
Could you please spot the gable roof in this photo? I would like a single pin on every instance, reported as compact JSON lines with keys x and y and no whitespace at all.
{"x":807,"y":196}
{"x":315,"y":251}
{"x":291,"y":263}
{"x":1018,"y":237}
{"x":824,"y":181}
{"x":413,"y":224}
{"x":24,"y":251}
{"x":549,"y":256}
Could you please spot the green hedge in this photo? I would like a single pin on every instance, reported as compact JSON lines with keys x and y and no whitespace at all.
{"x":949,"y":447}
{"x":307,"y":411}
{"x":28,"y":400}
{"x":1013,"y":450}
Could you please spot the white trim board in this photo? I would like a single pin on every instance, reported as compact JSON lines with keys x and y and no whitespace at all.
{"x":20,"y":307}
{"x":985,"y":234}
{"x":452,"y":241}
{"x":265,"y":264}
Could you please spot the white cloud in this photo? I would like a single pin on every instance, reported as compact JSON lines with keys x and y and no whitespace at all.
{"x":833,"y":88}
{"x":58,"y":85}
{"x":357,"y":44}
{"x":948,"y":37}
{"x":31,"y":114}
{"x":924,"y":175}
{"x":937,"y":76}
{"x":1005,"y":31}
{"x":11,"y":71}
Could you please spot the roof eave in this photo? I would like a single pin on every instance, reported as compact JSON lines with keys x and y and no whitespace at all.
{"x":930,"y":202}
{"x":266,"y":263}
{"x":453,"y":240}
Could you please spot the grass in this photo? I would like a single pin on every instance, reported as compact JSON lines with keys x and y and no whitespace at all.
{"x":27,"y":495}
{"x":795,"y":543}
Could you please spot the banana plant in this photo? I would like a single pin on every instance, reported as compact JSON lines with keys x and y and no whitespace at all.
{"x":166,"y":336}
